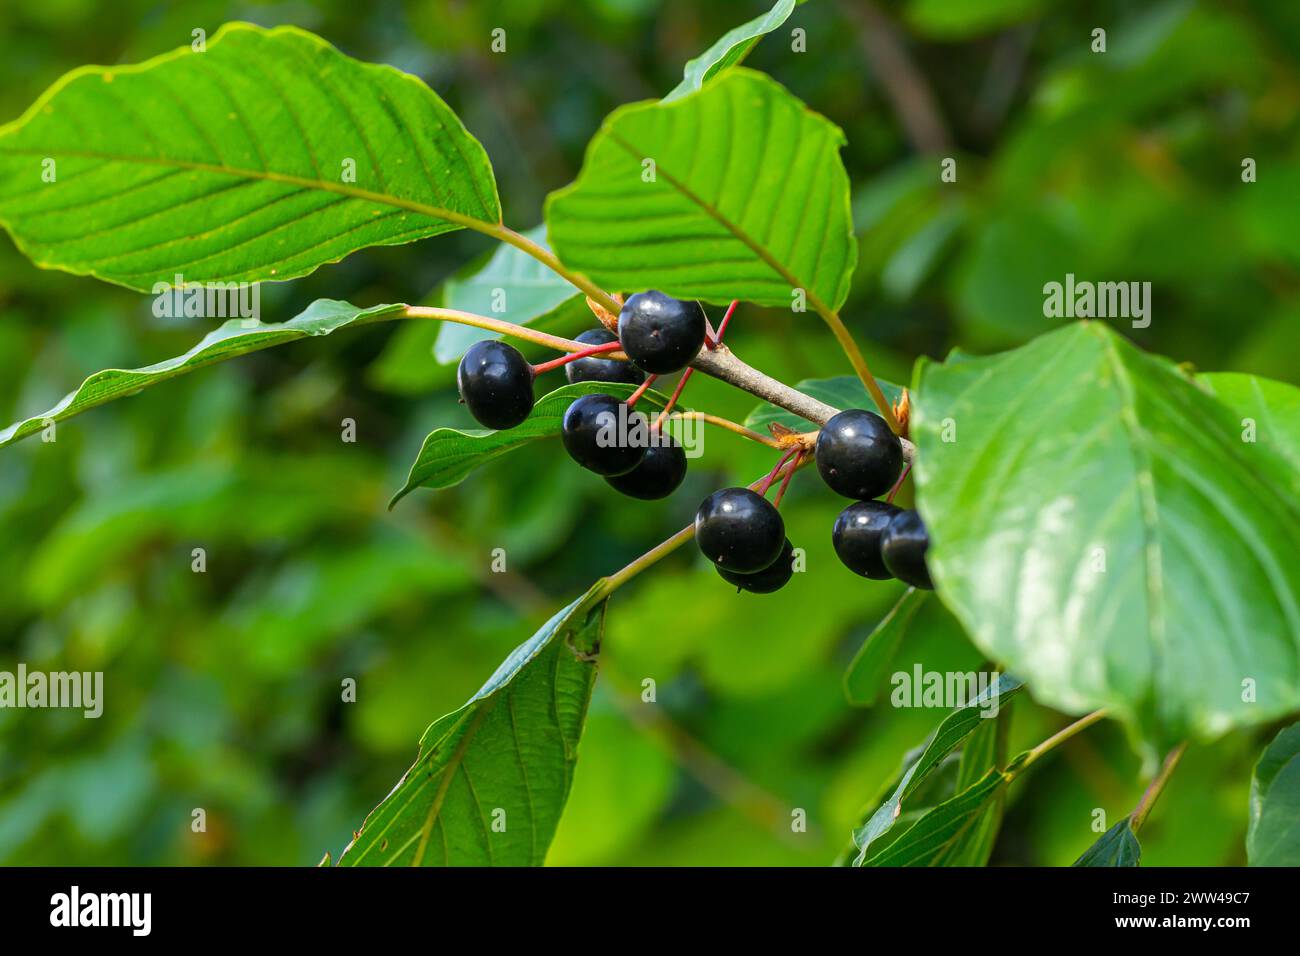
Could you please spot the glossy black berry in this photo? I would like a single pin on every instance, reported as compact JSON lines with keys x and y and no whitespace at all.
{"x":858,"y":456}
{"x":594,"y":368}
{"x":601,"y":435}
{"x":739,"y":530}
{"x":903,"y":547}
{"x":496,"y":384}
{"x":772,"y":578}
{"x":659,"y":333}
{"x":658,"y":474}
{"x":857,"y":537}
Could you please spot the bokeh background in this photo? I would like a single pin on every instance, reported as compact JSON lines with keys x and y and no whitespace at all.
{"x":223,"y":688}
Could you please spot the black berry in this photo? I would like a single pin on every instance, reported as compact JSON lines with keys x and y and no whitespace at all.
{"x":594,"y":368}
{"x":658,"y":474}
{"x":659,"y":333}
{"x":772,"y":578}
{"x":858,"y":456}
{"x":857,"y":537}
{"x":903,"y":547}
{"x":739,"y":530}
{"x":601,"y":435}
{"x":496,"y":384}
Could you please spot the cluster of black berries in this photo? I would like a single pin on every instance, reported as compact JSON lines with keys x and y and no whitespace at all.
{"x":737,"y":529}
{"x":659,"y":334}
{"x":743,"y":534}
{"x":859,"y":457}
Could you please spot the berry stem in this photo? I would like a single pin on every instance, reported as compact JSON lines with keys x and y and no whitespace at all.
{"x":767,"y":482}
{"x":785,"y":482}
{"x":889,"y":498}
{"x":681,"y":384}
{"x":722,"y":327}
{"x":573,"y":356}
{"x":640,"y":390}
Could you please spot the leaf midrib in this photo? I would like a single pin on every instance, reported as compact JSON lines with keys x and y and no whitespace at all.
{"x":449,"y":773}
{"x":1149,"y":507}
{"x":716,"y":215}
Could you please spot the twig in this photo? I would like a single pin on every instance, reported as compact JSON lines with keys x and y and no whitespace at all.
{"x":1152,"y":793}
{"x":1058,"y":738}
{"x":906,"y":87}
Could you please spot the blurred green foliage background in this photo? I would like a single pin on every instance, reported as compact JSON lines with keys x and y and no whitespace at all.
{"x":223,"y":688}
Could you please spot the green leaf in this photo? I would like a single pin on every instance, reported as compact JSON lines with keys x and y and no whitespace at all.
{"x":235,"y":164}
{"x":842,"y":391}
{"x":512,"y":286}
{"x":749,"y":199}
{"x":1118,"y":846}
{"x":450,"y":454}
{"x":866,"y":673}
{"x":983,"y":750}
{"x":1270,"y":409}
{"x":232,"y":339}
{"x":939,"y":833}
{"x":954,"y":729}
{"x":731,"y":48}
{"x":511,"y":749}
{"x":1099,"y":526}
{"x":1273,"y":837}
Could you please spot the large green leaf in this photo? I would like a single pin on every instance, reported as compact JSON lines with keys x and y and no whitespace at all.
{"x":866,"y":673}
{"x":748,"y":199}
{"x":234,"y":164}
{"x":512,"y":286}
{"x":951,"y":733}
{"x":1118,"y":846}
{"x":1273,"y":838}
{"x":491,"y":778}
{"x":232,"y":339}
{"x":1272,"y":408}
{"x":450,"y":454}
{"x":1099,"y":526}
{"x":842,"y":391}
{"x":732,"y":47}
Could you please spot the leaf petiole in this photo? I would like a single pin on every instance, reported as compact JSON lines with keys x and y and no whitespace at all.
{"x":1157,"y":786}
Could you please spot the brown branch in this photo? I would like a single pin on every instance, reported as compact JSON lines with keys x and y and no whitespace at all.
{"x":906,"y":87}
